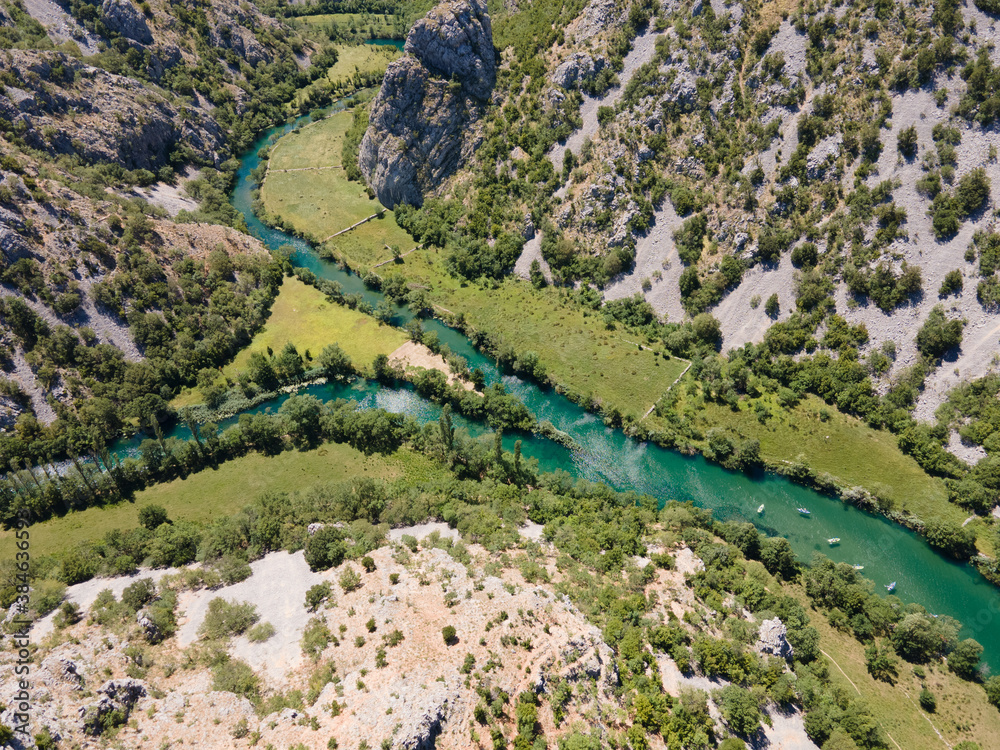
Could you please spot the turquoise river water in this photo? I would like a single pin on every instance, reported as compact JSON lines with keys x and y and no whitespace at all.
{"x":887,"y":551}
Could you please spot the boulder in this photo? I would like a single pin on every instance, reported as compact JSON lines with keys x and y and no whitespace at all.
{"x":127,"y":20}
{"x":117,"y":697}
{"x":578,"y":68}
{"x":771,"y":639}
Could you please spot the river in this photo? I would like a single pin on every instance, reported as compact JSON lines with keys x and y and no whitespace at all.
{"x":887,"y":551}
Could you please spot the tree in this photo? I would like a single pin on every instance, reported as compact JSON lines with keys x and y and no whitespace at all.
{"x":906,"y":142}
{"x":964,"y":659}
{"x":302,"y":413}
{"x":152,"y":516}
{"x":325,"y":549}
{"x":938,"y":335}
{"x":972,"y":191}
{"x":958,"y":541}
{"x":772,"y":306}
{"x":992,"y":687}
{"x":335,"y":362}
{"x":880,"y":664}
{"x":707,"y":328}
{"x":449,"y":634}
{"x":927,"y":701}
{"x":741,"y":709}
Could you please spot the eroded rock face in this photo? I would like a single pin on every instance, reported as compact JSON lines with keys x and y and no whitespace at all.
{"x":116,"y":700}
{"x":429,"y":97}
{"x":580,"y":67}
{"x":772,"y":639}
{"x":127,"y":20}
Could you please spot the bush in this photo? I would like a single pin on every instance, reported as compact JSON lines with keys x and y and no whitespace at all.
{"x":152,"y":516}
{"x":139,"y":594}
{"x":938,"y":334}
{"x":235,"y":676}
{"x":906,"y":142}
{"x":350,"y":580}
{"x":368,"y":564}
{"x":449,"y":634}
{"x":261,"y":632}
{"x":772,"y":306}
{"x":318,"y":594}
{"x":952,"y":283}
{"x":315,"y":638}
{"x":927,"y":701}
{"x":972,"y":191}
{"x":226,"y":619}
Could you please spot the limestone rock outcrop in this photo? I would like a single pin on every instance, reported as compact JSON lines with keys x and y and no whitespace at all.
{"x":429,"y":98}
{"x":117,"y":697}
{"x":122,"y":16}
{"x":771,"y":639}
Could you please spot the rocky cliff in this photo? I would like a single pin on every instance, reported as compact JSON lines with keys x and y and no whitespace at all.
{"x":428,"y":100}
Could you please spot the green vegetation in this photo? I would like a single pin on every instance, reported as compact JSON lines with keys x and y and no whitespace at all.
{"x":228,"y":486}
{"x":302,"y":316}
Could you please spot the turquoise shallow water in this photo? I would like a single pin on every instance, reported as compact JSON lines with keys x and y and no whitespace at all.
{"x":888,"y":552}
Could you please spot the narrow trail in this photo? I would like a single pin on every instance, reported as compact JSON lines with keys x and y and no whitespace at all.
{"x":353,"y":226}
{"x":859,"y":693}
{"x":393,"y":260}
{"x":669,"y":388}
{"x":306,"y":169}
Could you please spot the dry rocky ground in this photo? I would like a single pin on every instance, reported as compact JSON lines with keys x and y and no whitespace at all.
{"x":512,"y":635}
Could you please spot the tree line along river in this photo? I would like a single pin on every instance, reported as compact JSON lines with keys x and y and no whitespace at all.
{"x":887,"y":551}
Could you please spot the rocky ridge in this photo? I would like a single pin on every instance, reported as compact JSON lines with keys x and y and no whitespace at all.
{"x":418,"y":123}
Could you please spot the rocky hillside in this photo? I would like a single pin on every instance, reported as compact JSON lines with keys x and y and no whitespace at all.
{"x":366,"y":662}
{"x":420,"y":120}
{"x":743,"y":147}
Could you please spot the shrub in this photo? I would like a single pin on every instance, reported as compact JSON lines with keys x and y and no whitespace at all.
{"x":906,"y":142}
{"x":139,"y":594}
{"x":315,"y":638}
{"x":152,"y":516}
{"x":972,"y":191}
{"x":235,"y":676}
{"x":952,"y":283}
{"x":772,"y":307}
{"x":226,"y":619}
{"x":449,"y":634}
{"x":260,"y":633}
{"x":318,"y":594}
{"x":350,"y":580}
{"x":938,"y":334}
{"x":368,"y":564}
{"x":927,"y":701}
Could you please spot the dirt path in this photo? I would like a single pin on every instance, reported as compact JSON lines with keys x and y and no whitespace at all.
{"x":412,"y":355}
{"x":643,"y":50}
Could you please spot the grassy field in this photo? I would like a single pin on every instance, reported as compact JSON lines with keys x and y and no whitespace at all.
{"x":302,"y":315}
{"x":375,"y":25}
{"x":580,"y":354}
{"x":843,"y":446}
{"x":322,"y":202}
{"x":301,"y":148}
{"x":357,"y":65}
{"x":213,"y":493}
{"x":963,"y":713}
